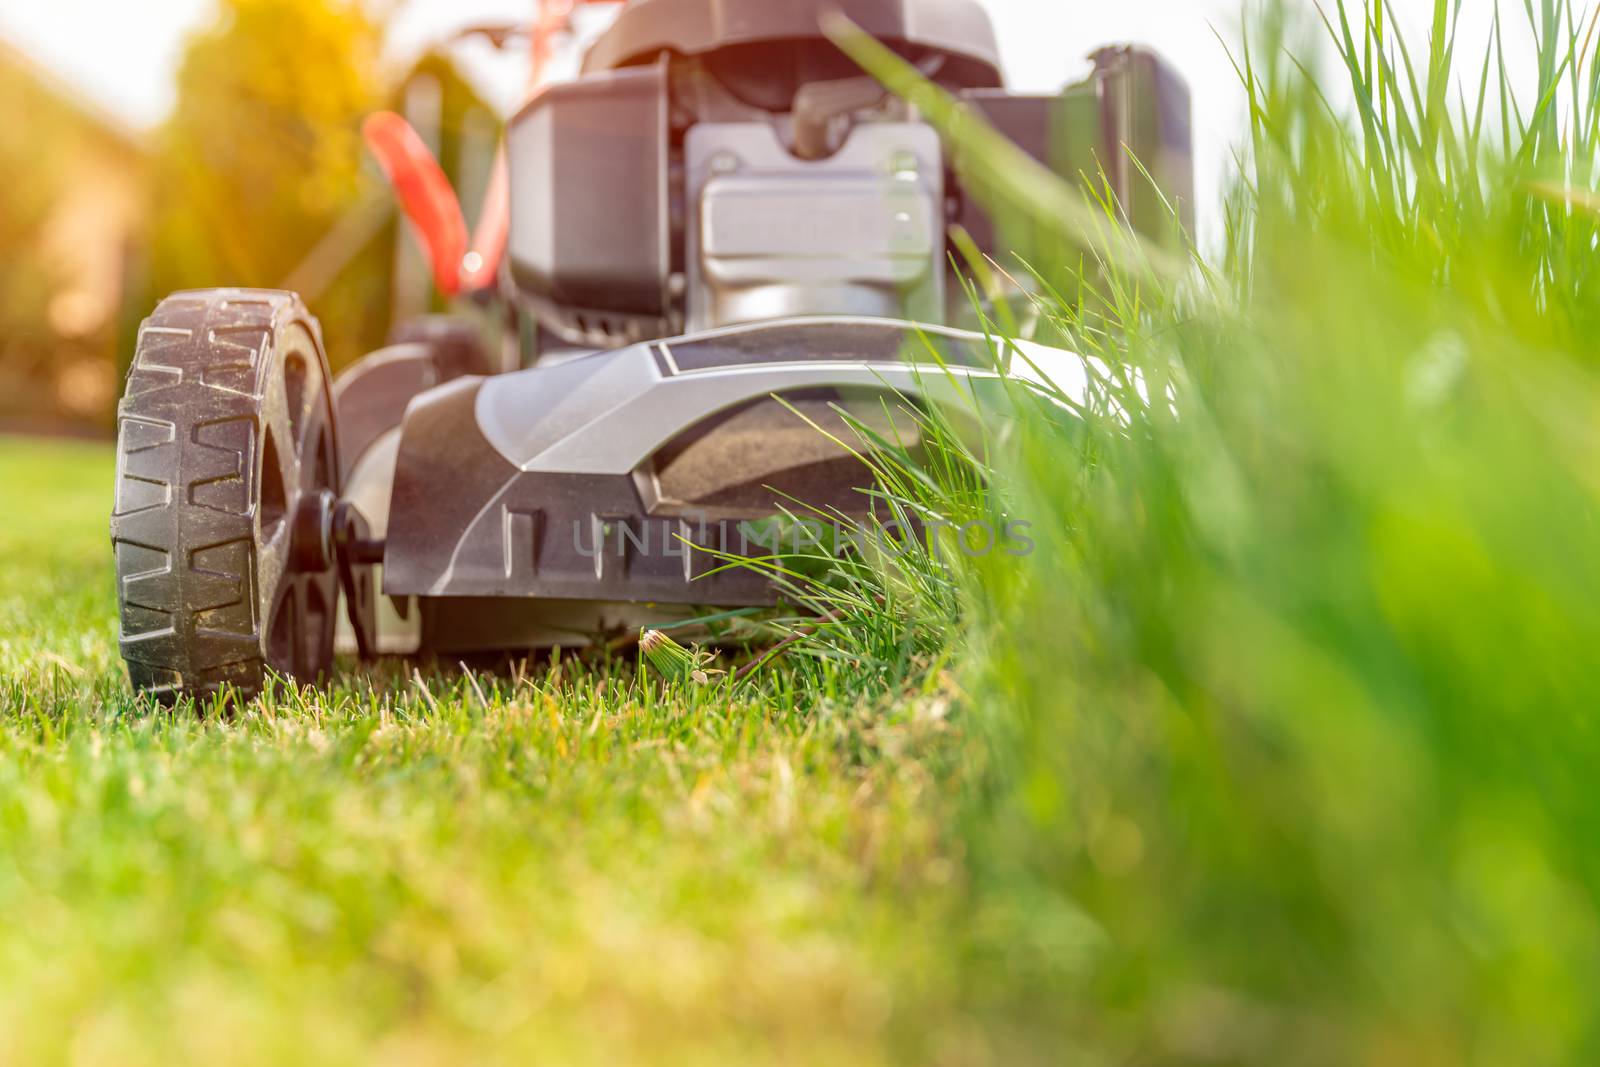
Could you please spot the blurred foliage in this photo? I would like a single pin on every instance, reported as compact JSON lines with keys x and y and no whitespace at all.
{"x":259,"y":178}
{"x":33,"y":163}
{"x":1289,"y":724}
{"x":52,"y":149}
{"x":263,"y":156}
{"x":1296,"y":711}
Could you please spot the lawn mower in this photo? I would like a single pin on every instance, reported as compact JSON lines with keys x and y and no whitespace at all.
{"x":722,"y":245}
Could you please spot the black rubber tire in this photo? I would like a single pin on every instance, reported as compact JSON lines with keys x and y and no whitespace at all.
{"x":226,"y":443}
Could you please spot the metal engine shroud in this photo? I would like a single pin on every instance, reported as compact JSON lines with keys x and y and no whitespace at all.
{"x":748,"y":244}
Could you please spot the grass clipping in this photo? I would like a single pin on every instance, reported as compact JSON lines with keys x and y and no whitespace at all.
{"x":675,"y":663}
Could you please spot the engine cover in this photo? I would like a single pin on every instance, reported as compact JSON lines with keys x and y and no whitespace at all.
{"x":772,"y":236}
{"x":591,"y":237}
{"x":743,"y":31}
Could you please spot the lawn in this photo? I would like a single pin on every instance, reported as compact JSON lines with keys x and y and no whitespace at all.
{"x":569,"y":867}
{"x":1279,"y":750}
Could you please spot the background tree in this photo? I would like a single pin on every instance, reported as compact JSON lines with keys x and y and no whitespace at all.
{"x":69,"y":218}
{"x":262,"y":157}
{"x":25,"y":283}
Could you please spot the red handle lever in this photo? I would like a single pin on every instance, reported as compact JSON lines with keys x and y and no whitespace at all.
{"x":425,"y":195}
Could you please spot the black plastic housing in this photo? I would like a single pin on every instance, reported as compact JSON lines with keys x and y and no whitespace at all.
{"x":959,"y":30}
{"x":591,"y":237}
{"x":1132,"y":112}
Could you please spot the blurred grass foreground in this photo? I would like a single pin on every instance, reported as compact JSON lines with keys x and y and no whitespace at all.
{"x":1294,"y":715}
{"x":1280,"y":749}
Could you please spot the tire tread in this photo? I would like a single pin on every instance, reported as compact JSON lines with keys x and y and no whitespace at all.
{"x":183,"y":524}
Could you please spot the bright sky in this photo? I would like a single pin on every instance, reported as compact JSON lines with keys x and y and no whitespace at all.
{"x":123,"y":53}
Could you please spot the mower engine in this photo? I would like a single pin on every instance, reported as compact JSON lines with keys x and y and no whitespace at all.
{"x":721,"y":163}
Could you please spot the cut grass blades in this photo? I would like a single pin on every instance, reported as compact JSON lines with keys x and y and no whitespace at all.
{"x":675,"y":663}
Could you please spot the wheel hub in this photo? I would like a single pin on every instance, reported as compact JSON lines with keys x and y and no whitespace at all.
{"x":312,"y":551}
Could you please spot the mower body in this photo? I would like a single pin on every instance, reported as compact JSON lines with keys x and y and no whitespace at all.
{"x":569,"y":502}
{"x":748,"y":237}
{"x":729,"y":252}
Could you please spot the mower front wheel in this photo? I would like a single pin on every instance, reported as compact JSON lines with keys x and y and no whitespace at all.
{"x":227,"y":483}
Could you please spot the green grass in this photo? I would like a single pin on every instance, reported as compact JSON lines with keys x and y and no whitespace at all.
{"x":579,"y":869}
{"x":1288,"y":734}
{"x":1281,"y":748}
